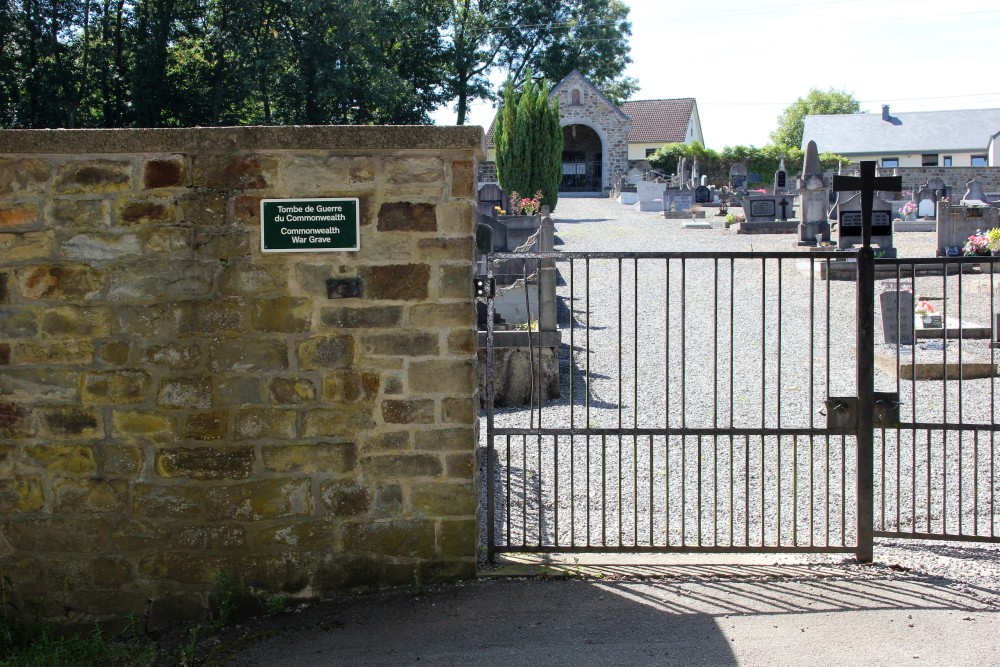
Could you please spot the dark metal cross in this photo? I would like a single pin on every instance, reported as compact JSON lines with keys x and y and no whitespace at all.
{"x":867,"y":184}
{"x":784,"y":208}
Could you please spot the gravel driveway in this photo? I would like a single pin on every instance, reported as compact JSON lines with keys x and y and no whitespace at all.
{"x":730,"y":345}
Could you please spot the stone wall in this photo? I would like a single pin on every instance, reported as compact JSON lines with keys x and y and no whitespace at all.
{"x":176,"y":406}
{"x":955,"y":177}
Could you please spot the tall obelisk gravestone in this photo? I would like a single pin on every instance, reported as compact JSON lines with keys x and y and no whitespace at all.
{"x":814,"y":199}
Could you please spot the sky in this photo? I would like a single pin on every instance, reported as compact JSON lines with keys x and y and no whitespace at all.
{"x":744,"y":62}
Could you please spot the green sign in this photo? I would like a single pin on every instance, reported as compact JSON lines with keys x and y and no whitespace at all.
{"x":309,"y":225}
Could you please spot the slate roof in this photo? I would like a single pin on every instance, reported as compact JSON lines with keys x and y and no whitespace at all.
{"x":653,"y":121}
{"x":659,"y":121}
{"x":907,"y":132}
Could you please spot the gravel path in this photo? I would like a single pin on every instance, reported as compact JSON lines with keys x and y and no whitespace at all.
{"x":692,"y":343}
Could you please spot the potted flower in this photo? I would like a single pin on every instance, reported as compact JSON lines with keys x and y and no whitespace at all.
{"x":977,"y":245}
{"x":993,"y":241}
{"x":908,"y":211}
{"x":523,"y":212}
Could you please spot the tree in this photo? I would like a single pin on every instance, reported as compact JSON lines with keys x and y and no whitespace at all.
{"x":791,"y":122}
{"x":529,"y":141}
{"x":550,"y":37}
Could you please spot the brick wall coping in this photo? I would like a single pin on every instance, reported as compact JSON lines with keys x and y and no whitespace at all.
{"x":227,"y":139}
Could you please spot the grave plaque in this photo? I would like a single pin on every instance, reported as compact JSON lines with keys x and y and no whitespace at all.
{"x":681,"y":202}
{"x":309,"y":225}
{"x":763,"y":208}
{"x":702,"y":195}
{"x":897,"y":317}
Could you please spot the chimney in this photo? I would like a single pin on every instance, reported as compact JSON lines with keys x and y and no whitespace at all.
{"x":885,"y":112}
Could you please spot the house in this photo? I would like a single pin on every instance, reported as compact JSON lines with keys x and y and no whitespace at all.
{"x":911,"y":139}
{"x":601,"y":139}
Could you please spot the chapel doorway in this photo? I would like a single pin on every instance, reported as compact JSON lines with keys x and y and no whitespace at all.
{"x":582,"y":160}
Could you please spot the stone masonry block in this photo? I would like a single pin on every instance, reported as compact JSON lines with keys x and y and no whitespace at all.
{"x":75,"y":322}
{"x":203,"y":209}
{"x":15,"y":421}
{"x":72,"y":421}
{"x":346,"y":421}
{"x":64,"y":458}
{"x":453,"y":280}
{"x":241,"y":172}
{"x":256,"y":423}
{"x":344,"y":498}
{"x":457,"y":219}
{"x":18,"y":216}
{"x":94,"y":176}
{"x":175,"y":356}
{"x":444,"y":499}
{"x":209,"y":317}
{"x":167,"y":502}
{"x":455,"y":438}
{"x":414,"y":171}
{"x":463,"y":179}
{"x":291,"y":390}
{"x":141,"y":425}
{"x":350,"y":387}
{"x":446,"y":376}
{"x":371,"y":317}
{"x":407,"y":217}
{"x":23,"y":176}
{"x":206,"y":463}
{"x":458,"y":410}
{"x":281,"y":314}
{"x":252,"y":279}
{"x":90,"y":495}
{"x":326,"y":352}
{"x":400,"y":538}
{"x":63,"y":282}
{"x":434,"y":316}
{"x":408,"y":411}
{"x":454,"y":249}
{"x":463,"y":342}
{"x":115,"y":387}
{"x":397,"y":282}
{"x":335,"y":458}
{"x":185,"y":393}
{"x":247,"y":355}
{"x":211,"y":425}
{"x":259,"y":500}
{"x":145,"y":211}
{"x":22,"y":493}
{"x":164,"y":173}
{"x":393,"y":466}
{"x":459,"y":538}
{"x":30,"y":246}
{"x":62,"y":352}
{"x":162,"y":279}
{"x":17,"y":324}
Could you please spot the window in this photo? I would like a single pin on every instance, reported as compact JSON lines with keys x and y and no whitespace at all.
{"x":650,"y":151}
{"x":978,"y":160}
{"x":890,"y":162}
{"x":576,"y":97}
{"x":947,"y":161}
{"x":929,"y":160}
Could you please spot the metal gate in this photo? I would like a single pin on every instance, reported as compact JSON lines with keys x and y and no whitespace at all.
{"x":725,"y":402}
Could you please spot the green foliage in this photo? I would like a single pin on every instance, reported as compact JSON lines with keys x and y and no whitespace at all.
{"x":225,"y":599}
{"x":529,"y":142}
{"x":714,"y":164}
{"x":791,"y":122}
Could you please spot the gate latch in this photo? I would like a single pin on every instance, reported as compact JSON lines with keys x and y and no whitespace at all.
{"x":886,"y":409}
{"x":485,"y":288}
{"x":842,"y":412}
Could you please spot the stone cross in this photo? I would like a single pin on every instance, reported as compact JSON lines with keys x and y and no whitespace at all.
{"x":867,"y":184}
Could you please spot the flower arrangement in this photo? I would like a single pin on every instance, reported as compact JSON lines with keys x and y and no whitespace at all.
{"x":993,"y":239}
{"x":499,"y":210}
{"x":525,"y":205}
{"x":923,"y":308}
{"x":907,"y":208}
{"x":976,"y":245}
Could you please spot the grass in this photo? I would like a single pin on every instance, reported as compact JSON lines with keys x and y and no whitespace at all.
{"x":49,"y":650}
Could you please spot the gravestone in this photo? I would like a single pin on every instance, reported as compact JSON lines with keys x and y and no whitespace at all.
{"x":704,"y":180}
{"x":938,"y":187}
{"x":738,"y":177}
{"x":650,"y":196}
{"x":926,"y":202}
{"x":781,"y":179}
{"x":760,"y":209}
{"x":677,"y":201}
{"x":695,"y":173}
{"x":897,"y":317}
{"x":974,"y":193}
{"x":849,"y":228}
{"x":702,"y":195}
{"x":682,"y":174}
{"x":813,"y":198}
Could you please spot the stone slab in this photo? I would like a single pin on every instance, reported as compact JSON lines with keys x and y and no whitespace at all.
{"x":695,"y":223}
{"x":929,"y":363}
{"x":628,"y":198}
{"x":655,"y":205}
{"x":776,"y":227}
{"x":954,"y":328}
{"x":914,"y":226}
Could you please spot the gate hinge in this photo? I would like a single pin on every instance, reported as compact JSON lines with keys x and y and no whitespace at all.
{"x":485,"y":288}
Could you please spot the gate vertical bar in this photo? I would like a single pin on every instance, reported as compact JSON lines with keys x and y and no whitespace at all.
{"x":490,"y":455}
{"x":865,"y":343}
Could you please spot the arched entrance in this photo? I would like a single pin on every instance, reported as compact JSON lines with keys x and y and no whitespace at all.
{"x":582,"y":160}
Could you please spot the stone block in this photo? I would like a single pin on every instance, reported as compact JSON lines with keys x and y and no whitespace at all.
{"x":336,"y":458}
{"x":167,"y":502}
{"x":379,"y":247}
{"x":444,"y":315}
{"x":74,"y":535}
{"x":199,"y":318}
{"x":454,"y":438}
{"x":395,"y":282}
{"x":124,"y":460}
{"x":409,"y":171}
{"x":240,"y":390}
{"x":287,"y":570}
{"x":164,"y":173}
{"x":21,"y":176}
{"x":408,"y":411}
{"x":312,"y":174}
{"x":145,"y":211}
{"x":205,"y":463}
{"x":21,"y":493}
{"x":30,"y":246}
{"x":228,"y":242}
{"x":259,"y":500}
{"x":291,"y":390}
{"x":115,"y":352}
{"x":463,"y":342}
{"x":212,"y":537}
{"x":162,"y":279}
{"x":175,"y":356}
{"x":326,"y":352}
{"x":407,"y":217}
{"x":4,"y":354}
{"x":76,"y":213}
{"x":456,"y":219}
{"x":453,"y":280}
{"x":444,"y":499}
{"x":344,"y":498}
{"x":315,"y":534}
{"x":115,"y":387}
{"x":145,"y":320}
{"x":393,"y":466}
{"x":64,"y":458}
{"x":183,"y":567}
{"x":388,"y":441}
{"x":342,"y":573}
{"x":17,"y":323}
{"x":71,"y":421}
{"x":350,"y":387}
{"x":62,"y":282}
{"x":443,"y":376}
{"x":343,"y":422}
{"x":90,"y":495}
{"x":454,"y":249}
{"x":18,"y":215}
{"x":111,"y":572}
{"x":281,"y":314}
{"x":388,"y":501}
{"x":257,"y":280}
{"x":39,"y":385}
{"x":372,"y":317}
{"x":440,"y":570}
{"x":399,"y":538}
{"x":246,"y":209}
{"x":239,"y":172}
{"x":76,"y":322}
{"x":463,"y":179}
{"x":211,"y":425}
{"x":257,"y":423}
{"x":401,"y":344}
{"x":247,"y":355}
{"x":459,"y":538}
{"x":15,"y":421}
{"x":142,"y":426}
{"x":62,"y":353}
{"x":460,"y":466}
{"x":203,"y":209}
{"x":185,"y":393}
{"x":93,"y":177}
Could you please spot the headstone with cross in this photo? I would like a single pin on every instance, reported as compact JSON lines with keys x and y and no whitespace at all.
{"x":866,"y":185}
